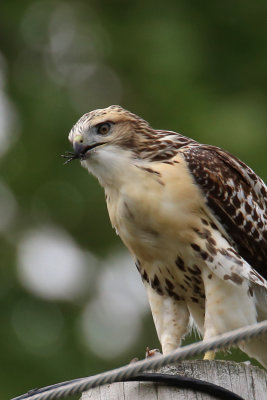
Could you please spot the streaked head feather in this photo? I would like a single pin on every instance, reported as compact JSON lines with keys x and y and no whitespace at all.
{"x":132,"y":133}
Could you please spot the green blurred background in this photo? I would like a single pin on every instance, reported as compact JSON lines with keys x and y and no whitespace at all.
{"x":71,"y":301}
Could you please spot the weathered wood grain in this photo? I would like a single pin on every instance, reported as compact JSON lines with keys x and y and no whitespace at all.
{"x":248,"y":381}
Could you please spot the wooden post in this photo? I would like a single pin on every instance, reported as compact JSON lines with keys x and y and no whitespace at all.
{"x":245,"y":380}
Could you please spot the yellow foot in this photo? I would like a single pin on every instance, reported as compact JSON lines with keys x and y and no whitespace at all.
{"x":210,"y":355}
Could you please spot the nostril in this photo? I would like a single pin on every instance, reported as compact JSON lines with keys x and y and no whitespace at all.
{"x":78,"y":139}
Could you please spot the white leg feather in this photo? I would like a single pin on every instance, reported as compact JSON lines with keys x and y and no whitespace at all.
{"x":228,"y":306}
{"x":171,"y":319}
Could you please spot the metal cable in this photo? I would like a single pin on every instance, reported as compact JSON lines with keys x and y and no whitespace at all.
{"x":76,"y":386}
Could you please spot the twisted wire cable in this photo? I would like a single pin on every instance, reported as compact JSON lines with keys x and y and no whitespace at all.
{"x":121,"y":374}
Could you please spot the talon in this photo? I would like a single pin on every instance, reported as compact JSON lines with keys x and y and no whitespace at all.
{"x":209,"y":355}
{"x":152,"y":353}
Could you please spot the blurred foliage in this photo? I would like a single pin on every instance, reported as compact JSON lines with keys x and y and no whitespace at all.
{"x":195,"y":67}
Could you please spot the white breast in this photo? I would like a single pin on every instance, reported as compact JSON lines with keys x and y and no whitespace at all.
{"x":154,"y":213}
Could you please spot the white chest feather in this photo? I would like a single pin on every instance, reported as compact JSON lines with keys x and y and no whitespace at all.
{"x":154,"y":209}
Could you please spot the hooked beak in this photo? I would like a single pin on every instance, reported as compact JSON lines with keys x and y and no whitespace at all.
{"x":80,"y":149}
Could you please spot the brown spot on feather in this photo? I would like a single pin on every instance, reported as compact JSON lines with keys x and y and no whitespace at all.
{"x":168,"y":162}
{"x":194,"y":270}
{"x":180,"y":263}
{"x":137,"y":264}
{"x":234,"y":278}
{"x":211,"y":249}
{"x":195,"y":246}
{"x":155,"y":284}
{"x":145,"y":276}
{"x":194,"y":299}
{"x":169,"y":284}
{"x":250,"y":291}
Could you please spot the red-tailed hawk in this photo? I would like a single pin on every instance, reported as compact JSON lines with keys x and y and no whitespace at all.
{"x":193,"y":217}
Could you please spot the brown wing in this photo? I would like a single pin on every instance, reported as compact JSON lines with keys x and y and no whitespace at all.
{"x":238,"y":198}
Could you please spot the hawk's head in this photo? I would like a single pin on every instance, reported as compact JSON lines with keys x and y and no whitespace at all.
{"x":105,"y":127}
{"x":109,"y":140}
{"x":104,"y":138}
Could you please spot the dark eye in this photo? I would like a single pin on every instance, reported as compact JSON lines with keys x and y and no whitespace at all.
{"x":103,"y":129}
